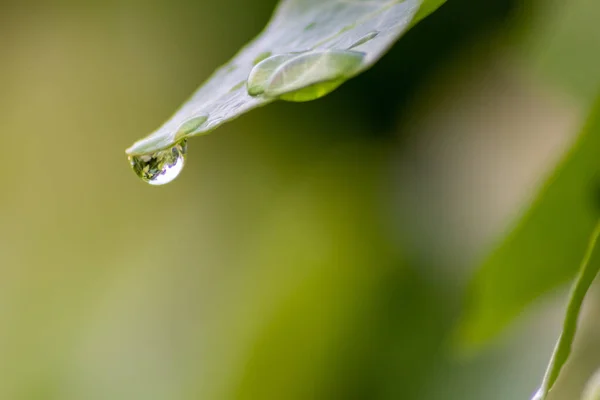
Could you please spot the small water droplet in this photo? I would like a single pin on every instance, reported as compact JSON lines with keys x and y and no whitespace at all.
{"x":161,"y":167}
{"x":295,"y":52}
{"x":364,"y":39}
{"x":190,"y":126}
{"x":260,"y":74}
{"x":312,"y":92}
{"x":262,"y":56}
{"x":312,"y":75}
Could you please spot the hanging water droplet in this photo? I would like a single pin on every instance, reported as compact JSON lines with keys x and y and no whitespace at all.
{"x":160,"y":167}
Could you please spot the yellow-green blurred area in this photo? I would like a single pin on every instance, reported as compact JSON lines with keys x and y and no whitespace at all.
{"x":307,"y":251}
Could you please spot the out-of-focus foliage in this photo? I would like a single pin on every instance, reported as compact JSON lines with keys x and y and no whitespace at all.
{"x":275,"y":267}
{"x":592,"y":389}
{"x":539,"y":248}
{"x":562,"y":45}
{"x":541,"y":252}
{"x":587,"y":273}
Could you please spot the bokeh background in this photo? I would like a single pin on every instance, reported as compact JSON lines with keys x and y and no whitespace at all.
{"x":308,"y":251}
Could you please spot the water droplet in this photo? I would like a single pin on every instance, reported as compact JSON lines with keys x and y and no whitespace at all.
{"x":364,"y":39}
{"x":160,"y":167}
{"x":190,"y":126}
{"x":312,"y":75}
{"x":260,"y":74}
{"x":296,"y":52}
{"x":262,"y":56}
{"x":312,"y":92}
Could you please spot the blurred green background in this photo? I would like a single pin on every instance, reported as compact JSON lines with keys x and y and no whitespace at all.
{"x":308,"y":251}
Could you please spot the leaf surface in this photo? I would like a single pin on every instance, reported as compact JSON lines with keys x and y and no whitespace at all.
{"x":308,"y":49}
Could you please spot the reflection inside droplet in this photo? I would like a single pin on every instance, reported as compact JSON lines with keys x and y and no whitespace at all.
{"x":161,"y":167}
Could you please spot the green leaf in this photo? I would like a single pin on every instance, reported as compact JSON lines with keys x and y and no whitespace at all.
{"x":588,"y":271}
{"x":544,"y":248}
{"x":308,"y":49}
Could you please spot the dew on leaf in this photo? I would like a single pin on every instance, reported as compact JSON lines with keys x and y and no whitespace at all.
{"x":262,"y":72}
{"x":296,"y":52}
{"x":298,"y":26}
{"x":190,"y":126}
{"x":312,"y":75}
{"x":312,"y":92}
{"x":161,"y":167}
{"x":364,"y":39}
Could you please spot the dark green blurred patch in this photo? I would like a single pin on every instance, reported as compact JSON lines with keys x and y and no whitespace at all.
{"x":431,"y":44}
{"x":356,"y":321}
